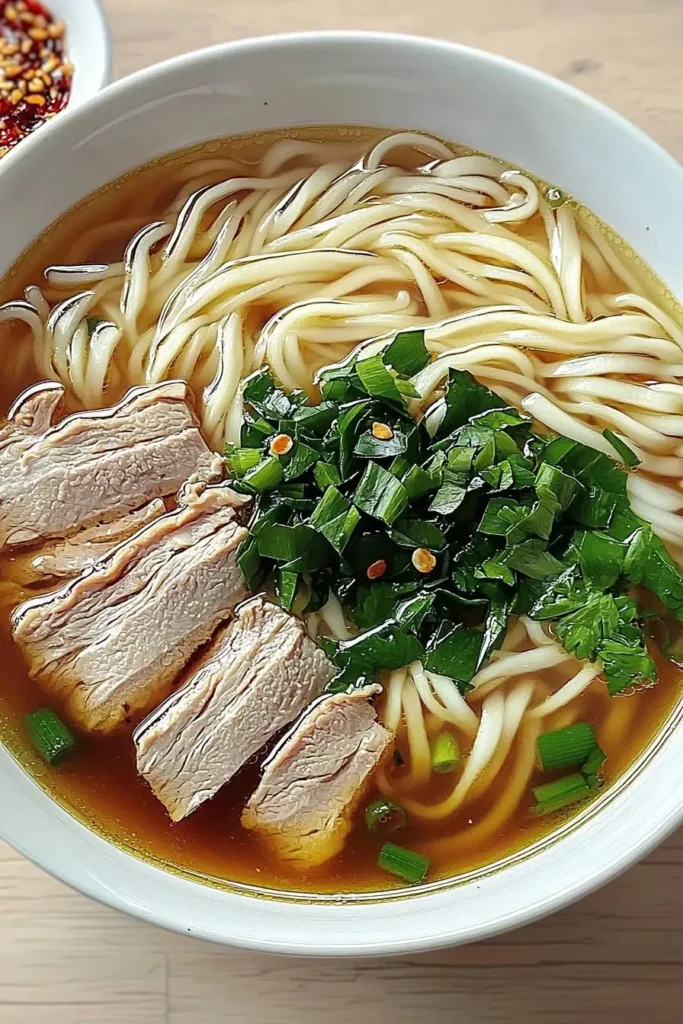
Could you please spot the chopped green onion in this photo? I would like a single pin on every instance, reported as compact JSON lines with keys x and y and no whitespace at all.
{"x":454,"y":651}
{"x":445,"y":753}
{"x":50,"y":736}
{"x":302,"y":547}
{"x":593,"y":766}
{"x":300,"y":460}
{"x":566,"y":748}
{"x":286,"y":586}
{"x":377,"y":380}
{"x":405,"y":864}
{"x":555,"y":198}
{"x":251,"y":563}
{"x":407,"y":388}
{"x":407,"y":353}
{"x":385,"y":816}
{"x":265,"y":477}
{"x":241,"y":460}
{"x":336,"y":518}
{"x":419,"y":481}
{"x":552,"y":796}
{"x":380,"y":494}
{"x":326,"y":475}
{"x":626,"y":454}
{"x":254,"y":431}
{"x":417,"y":533}
{"x":93,"y":322}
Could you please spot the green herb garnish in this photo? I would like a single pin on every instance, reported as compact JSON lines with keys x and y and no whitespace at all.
{"x":512,"y":522}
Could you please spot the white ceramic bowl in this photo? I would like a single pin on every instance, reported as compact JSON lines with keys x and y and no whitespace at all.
{"x":487,"y":103}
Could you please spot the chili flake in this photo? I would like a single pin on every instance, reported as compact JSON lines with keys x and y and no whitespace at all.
{"x":281,"y":444}
{"x":382,"y":431}
{"x":423,"y":560}
{"x":376,"y":570}
{"x":35,"y":78}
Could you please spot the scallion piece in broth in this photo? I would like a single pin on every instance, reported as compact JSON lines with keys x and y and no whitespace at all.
{"x":445,"y":753}
{"x":405,"y":864}
{"x":552,"y":796}
{"x":385,"y":816}
{"x":592,"y":768}
{"x":566,"y":748}
{"x":50,"y":736}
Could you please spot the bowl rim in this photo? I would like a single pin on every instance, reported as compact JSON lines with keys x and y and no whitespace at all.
{"x":128,"y":83}
{"x":665,"y":817}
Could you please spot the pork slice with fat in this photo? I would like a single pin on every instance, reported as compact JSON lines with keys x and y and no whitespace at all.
{"x":93,"y":466}
{"x":316,"y":777}
{"x":110,"y":643}
{"x":63,"y":559}
{"x":259,"y":673}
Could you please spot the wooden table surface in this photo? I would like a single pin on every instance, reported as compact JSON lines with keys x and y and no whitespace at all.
{"x":617,"y":955}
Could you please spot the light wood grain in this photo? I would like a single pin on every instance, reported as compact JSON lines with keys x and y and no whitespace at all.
{"x":617,"y":955}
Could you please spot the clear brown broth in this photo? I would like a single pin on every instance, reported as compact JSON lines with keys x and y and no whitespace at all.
{"x":100,"y":784}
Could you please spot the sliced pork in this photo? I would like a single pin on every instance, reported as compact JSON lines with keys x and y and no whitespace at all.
{"x":94,"y":466}
{"x":110,"y":643}
{"x":316,"y":777}
{"x":64,"y":559}
{"x":258,"y":675}
{"x":32,"y":414}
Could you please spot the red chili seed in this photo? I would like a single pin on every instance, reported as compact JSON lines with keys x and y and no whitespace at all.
{"x":376,"y":570}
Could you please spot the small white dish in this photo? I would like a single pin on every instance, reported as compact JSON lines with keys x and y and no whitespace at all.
{"x":485,"y":102}
{"x":88,"y":45}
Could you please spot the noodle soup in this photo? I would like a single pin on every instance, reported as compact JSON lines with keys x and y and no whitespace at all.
{"x":288,"y":252}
